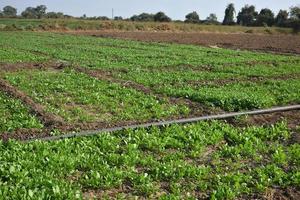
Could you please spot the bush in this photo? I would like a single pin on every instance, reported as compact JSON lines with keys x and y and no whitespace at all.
{"x":12,"y":27}
{"x":269,"y":31}
{"x":192,"y":17}
{"x":163,"y":27}
{"x":139,"y":27}
{"x":2,"y":26}
{"x":296,"y":26}
{"x":29,"y":27}
{"x":161,"y":17}
{"x":249,"y":31}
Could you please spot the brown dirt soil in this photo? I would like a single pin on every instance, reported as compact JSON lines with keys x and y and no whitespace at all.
{"x":29,"y":134}
{"x":11,"y":67}
{"x":282,"y":194}
{"x":269,"y":43}
{"x":292,"y":118}
{"x":20,"y":66}
{"x":24,"y":134}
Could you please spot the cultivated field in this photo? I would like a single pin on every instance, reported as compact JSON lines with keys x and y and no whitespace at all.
{"x":275,"y":43}
{"x":55,"y":83}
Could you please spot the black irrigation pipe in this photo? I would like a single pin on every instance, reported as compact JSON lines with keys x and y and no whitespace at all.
{"x":164,"y":123}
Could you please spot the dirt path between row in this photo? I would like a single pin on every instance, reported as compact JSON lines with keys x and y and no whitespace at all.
{"x":268,"y":43}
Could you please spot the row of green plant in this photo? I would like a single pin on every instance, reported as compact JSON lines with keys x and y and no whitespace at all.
{"x":79,"y":98}
{"x":16,"y":55}
{"x":112,"y":53}
{"x":170,"y":69}
{"x":240,"y":96}
{"x":229,"y":87}
{"x":186,"y":75}
{"x":14,"y":115}
{"x":202,"y":160}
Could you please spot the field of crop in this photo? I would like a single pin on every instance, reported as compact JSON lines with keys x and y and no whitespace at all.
{"x":229,"y":80}
{"x":53,"y":84}
{"x":279,"y":43}
{"x":14,"y":115}
{"x":178,"y":162}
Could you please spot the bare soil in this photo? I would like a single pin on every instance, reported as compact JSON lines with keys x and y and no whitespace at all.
{"x":12,"y":67}
{"x":292,"y":118}
{"x":268,"y":43}
{"x":282,"y":194}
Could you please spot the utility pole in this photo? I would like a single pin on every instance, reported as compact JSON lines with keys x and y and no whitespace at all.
{"x":112,"y":14}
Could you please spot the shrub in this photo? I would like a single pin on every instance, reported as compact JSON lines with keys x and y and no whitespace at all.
{"x":12,"y":27}
{"x":29,"y":27}
{"x":2,"y":26}
{"x":296,"y":26}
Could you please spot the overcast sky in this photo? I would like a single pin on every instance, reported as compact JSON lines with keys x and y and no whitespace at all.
{"x":176,"y":9}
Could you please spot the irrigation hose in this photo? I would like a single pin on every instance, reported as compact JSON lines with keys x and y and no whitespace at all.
{"x":165,"y":123}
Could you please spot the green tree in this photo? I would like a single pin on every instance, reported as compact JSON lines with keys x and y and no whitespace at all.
{"x":282,"y":18}
{"x":29,"y":12}
{"x":55,"y":15}
{"x":192,"y":17}
{"x":229,"y":15}
{"x":9,"y":11}
{"x":295,"y":12}
{"x":103,"y":18}
{"x":295,"y":18}
{"x":265,"y":17}
{"x":142,"y":17}
{"x":161,"y":17}
{"x":212,"y":18}
{"x":118,"y":18}
{"x":40,"y":11}
{"x":247,"y":16}
{"x":296,"y":26}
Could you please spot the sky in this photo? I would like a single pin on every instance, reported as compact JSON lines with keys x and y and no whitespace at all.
{"x":176,"y":9}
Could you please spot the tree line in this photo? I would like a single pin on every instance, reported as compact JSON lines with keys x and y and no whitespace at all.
{"x":37,"y":12}
{"x":247,"y":16}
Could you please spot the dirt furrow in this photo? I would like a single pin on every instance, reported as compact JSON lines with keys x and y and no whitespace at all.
{"x":13,"y":67}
